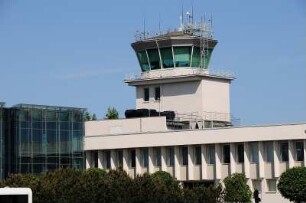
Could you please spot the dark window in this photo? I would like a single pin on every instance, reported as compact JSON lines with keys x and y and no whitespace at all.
{"x":120,"y":158}
{"x":299,"y":146}
{"x":240,"y":153}
{"x":184,"y":156}
{"x":269,"y":151}
{"x":154,"y":58}
{"x":226,"y":154}
{"x":107,"y":159}
{"x":158,"y":156}
{"x":211,"y":154}
{"x":145,"y":156}
{"x":197,"y":154}
{"x":253,"y":152}
{"x":170,"y":156}
{"x":157,"y":93}
{"x":132,"y":158}
{"x":284,"y":151}
{"x":146,"y":94}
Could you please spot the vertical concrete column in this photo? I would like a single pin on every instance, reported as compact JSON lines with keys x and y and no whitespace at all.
{"x":291,"y":153}
{"x":138,"y":161}
{"x":233,"y":158}
{"x":164,"y":159}
{"x":100,"y":159}
{"x":305,"y":153}
{"x":218,"y":155}
{"x":204,"y":162}
{"x":125,"y":162}
{"x":276,"y":158}
{"x":261,"y":155}
{"x":190,"y":162}
{"x":88,"y":159}
{"x":113,"y":159}
{"x":177,"y":167}
{"x":151,"y":160}
{"x":246,"y":159}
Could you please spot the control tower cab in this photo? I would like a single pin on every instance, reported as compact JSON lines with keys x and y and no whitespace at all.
{"x":175,"y":76}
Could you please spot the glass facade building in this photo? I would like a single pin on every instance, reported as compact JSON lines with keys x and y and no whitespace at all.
{"x":2,"y":141}
{"x":41,"y":138}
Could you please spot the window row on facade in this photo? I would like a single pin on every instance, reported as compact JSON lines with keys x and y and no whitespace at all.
{"x":146,"y":93}
{"x":172,"y":57}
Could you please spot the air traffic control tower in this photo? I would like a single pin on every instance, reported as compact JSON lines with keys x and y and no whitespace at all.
{"x":175,"y":75}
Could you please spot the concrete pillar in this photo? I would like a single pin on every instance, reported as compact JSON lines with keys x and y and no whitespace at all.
{"x":291,"y":153}
{"x":138,"y":161}
{"x":276,"y":158}
{"x":100,"y":159}
{"x":261,"y":155}
{"x":113,"y":159}
{"x":218,"y":155}
{"x":233,"y":158}
{"x":246,"y":160}
{"x":88,"y":159}
{"x":164,"y":159}
{"x":125,"y":163}
{"x":190,"y":162}
{"x":177,"y":167}
{"x":151,"y":160}
{"x":204,"y":162}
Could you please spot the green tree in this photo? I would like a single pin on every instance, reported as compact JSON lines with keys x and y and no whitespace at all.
{"x":292,"y":184}
{"x":236,"y":188}
{"x":111,"y":113}
{"x":89,"y":116}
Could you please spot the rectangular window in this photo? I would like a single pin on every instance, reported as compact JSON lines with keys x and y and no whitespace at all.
{"x":284,"y":151}
{"x":157,"y":93}
{"x":145,"y":157}
{"x":132,"y":158}
{"x":240,"y":153}
{"x":120,"y":158}
{"x":197,"y":154}
{"x":226,"y":154}
{"x":146,"y":94}
{"x":107,"y":159}
{"x":184,"y":156}
{"x":299,"y":147}
{"x":271,"y":184}
{"x":170,"y":156}
{"x":253,"y":152}
{"x":211,"y":154}
{"x":157,"y":156}
{"x":268,"y":146}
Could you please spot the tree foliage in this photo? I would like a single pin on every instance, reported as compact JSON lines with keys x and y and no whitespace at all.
{"x":292,"y":184}
{"x":112,"y":113}
{"x":87,"y":116}
{"x":115,"y":186}
{"x":236,"y":188}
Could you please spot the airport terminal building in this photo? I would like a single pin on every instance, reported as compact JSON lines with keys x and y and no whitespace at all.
{"x":182,"y":123}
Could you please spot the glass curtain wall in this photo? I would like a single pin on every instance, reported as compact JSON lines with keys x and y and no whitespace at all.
{"x":1,"y":143}
{"x":47,"y":138}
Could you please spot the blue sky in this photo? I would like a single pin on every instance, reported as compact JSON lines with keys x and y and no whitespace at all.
{"x":77,"y":53}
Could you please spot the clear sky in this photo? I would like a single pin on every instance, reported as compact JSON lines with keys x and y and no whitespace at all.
{"x":77,"y":52}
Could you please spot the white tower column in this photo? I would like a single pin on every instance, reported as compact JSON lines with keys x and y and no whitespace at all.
{"x":100,"y":159}
{"x":218,"y":155}
{"x":163,"y":158}
{"x":125,"y":162}
{"x":204,"y":162}
{"x":276,"y":158}
{"x":113,"y":159}
{"x":291,"y":153}
{"x":138,"y":161}
{"x":261,"y":160}
{"x":177,"y":168}
{"x":246,"y":160}
{"x":190,"y":162}
{"x":151,"y":160}
{"x":233,"y":158}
